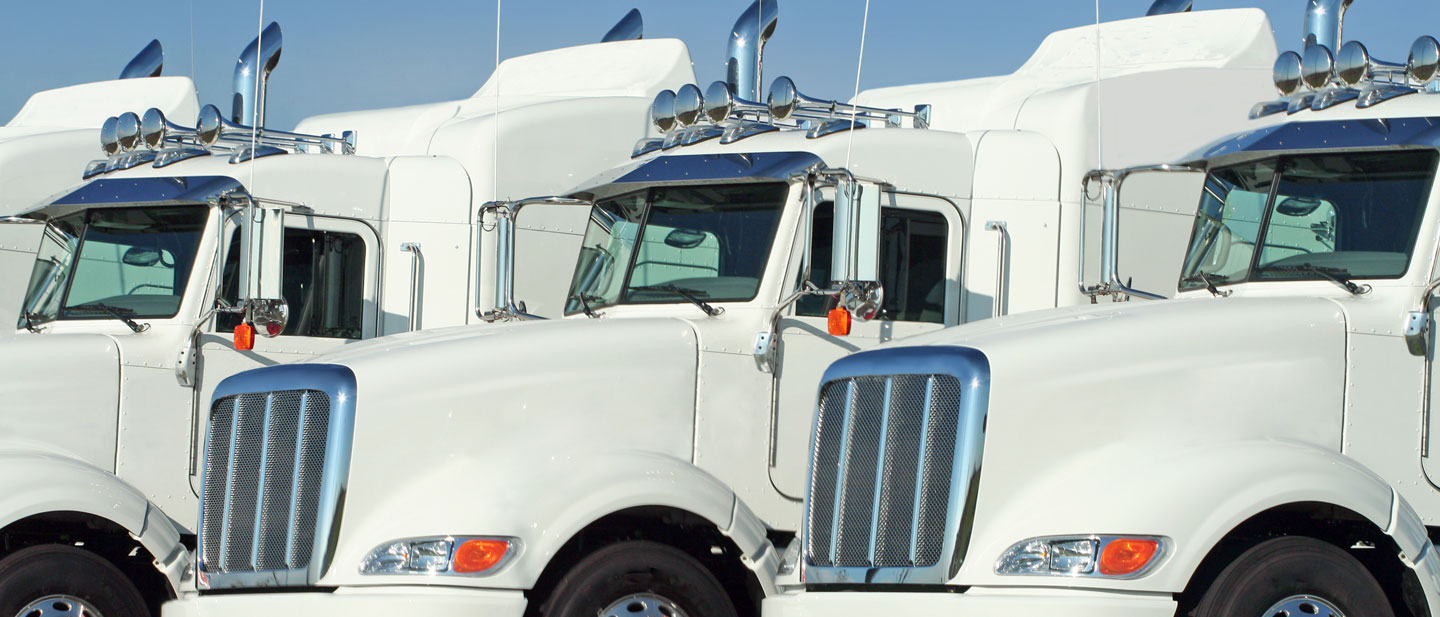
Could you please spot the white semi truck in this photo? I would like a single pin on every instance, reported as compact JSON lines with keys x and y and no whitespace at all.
{"x":646,"y":455}
{"x":155,"y":274}
{"x":1262,"y":445}
{"x":53,"y":135}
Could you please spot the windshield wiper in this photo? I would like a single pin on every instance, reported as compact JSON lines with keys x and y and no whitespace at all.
{"x":1338,"y":276}
{"x":116,"y":312}
{"x":693,"y":295}
{"x":1201,"y":277}
{"x":585,"y":304}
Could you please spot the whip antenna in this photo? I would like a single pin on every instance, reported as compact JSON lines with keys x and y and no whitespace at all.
{"x":255,"y":111}
{"x":495,"y":137}
{"x":855,"y":100}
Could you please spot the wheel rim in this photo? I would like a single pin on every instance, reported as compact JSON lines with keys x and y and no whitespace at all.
{"x":643,"y":605}
{"x":59,"y":605}
{"x":1303,"y":606}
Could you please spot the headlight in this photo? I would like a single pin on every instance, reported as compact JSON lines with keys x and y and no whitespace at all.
{"x":440,"y":555}
{"x":1098,"y":556}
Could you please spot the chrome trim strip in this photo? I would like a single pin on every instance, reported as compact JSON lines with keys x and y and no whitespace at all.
{"x":843,"y":457}
{"x":920,"y":470}
{"x":971,"y":369}
{"x":260,"y":481}
{"x":229,"y":482}
{"x":880,"y":466}
{"x":295,"y":473}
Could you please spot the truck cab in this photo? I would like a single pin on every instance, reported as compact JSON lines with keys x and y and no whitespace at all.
{"x":646,"y":452}
{"x":1263,"y":444}
{"x":189,"y":254}
{"x":53,"y":135}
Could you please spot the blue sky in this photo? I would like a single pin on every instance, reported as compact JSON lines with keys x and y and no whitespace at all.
{"x":365,"y":54}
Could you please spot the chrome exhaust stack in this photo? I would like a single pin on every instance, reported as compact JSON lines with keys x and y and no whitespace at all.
{"x":1324,"y":21}
{"x":630,"y":28}
{"x":747,"y":46}
{"x":252,"y":73}
{"x":1166,"y":7}
{"x":147,"y":63}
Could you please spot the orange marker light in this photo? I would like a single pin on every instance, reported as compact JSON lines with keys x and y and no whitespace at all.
{"x":1127,"y":556}
{"x":244,"y":337}
{"x":478,"y":555}
{"x":838,"y":322}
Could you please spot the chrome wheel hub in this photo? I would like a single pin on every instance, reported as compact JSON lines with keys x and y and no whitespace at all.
{"x":59,"y":605}
{"x":1303,"y":606}
{"x":643,"y":605}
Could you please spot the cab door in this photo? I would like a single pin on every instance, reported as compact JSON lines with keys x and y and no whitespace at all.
{"x":921,"y":241}
{"x":328,"y":279}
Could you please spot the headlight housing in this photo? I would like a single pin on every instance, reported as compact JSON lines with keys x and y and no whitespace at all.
{"x":441,"y":555}
{"x":1102,"y":556}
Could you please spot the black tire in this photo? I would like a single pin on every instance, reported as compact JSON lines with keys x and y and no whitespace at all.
{"x":1289,"y":568}
{"x":638,"y":568}
{"x":30,"y":574}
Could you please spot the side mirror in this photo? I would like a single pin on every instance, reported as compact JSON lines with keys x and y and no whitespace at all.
{"x":141,"y":256}
{"x":270,"y":315}
{"x":863,"y":299}
{"x":262,"y":246}
{"x":856,"y":239}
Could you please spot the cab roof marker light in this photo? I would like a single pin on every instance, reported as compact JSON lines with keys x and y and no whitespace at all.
{"x":1090,"y":556}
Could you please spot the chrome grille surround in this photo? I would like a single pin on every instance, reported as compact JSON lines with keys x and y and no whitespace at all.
{"x":277,"y":460}
{"x":895,"y":462}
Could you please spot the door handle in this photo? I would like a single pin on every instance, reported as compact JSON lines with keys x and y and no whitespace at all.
{"x":1002,"y":267}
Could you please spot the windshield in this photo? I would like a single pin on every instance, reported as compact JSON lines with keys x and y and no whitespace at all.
{"x":1353,"y":215}
{"x":661,"y":244}
{"x":135,"y":261}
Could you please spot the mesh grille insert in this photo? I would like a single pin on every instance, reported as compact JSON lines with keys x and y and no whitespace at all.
{"x":263,"y":473}
{"x":882,"y":464}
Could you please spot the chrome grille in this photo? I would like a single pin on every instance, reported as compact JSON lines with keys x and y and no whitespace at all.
{"x":263,"y":474}
{"x":883,"y":460}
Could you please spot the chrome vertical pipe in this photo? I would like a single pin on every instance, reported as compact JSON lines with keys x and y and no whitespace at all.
{"x":746,"y":49}
{"x":148,"y":63}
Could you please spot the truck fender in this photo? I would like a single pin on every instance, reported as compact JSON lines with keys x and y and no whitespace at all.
{"x":594,"y":487}
{"x":33,"y":483}
{"x":1195,"y":495}
{"x":1416,"y":550}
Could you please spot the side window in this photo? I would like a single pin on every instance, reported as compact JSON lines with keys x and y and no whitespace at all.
{"x":322,"y":279}
{"x":913,"y":249}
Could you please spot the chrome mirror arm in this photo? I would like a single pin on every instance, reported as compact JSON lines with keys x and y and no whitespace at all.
{"x":505,"y":307}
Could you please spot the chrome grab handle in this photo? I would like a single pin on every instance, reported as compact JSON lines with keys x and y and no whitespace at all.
{"x":1002,"y":267}
{"x":416,"y":257}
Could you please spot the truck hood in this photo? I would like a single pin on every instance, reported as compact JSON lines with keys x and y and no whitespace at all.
{"x":61,"y":393}
{"x":455,"y":429}
{"x":1127,"y":393}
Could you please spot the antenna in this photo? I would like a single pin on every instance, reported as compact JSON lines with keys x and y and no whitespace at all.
{"x":259,"y":104}
{"x":855,"y":101}
{"x":1099,"y":134}
{"x":495,"y":135}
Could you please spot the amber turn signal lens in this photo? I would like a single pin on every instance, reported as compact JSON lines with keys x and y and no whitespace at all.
{"x":244,"y":337}
{"x":838,"y":322}
{"x":1127,"y":556}
{"x":478,"y":555}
